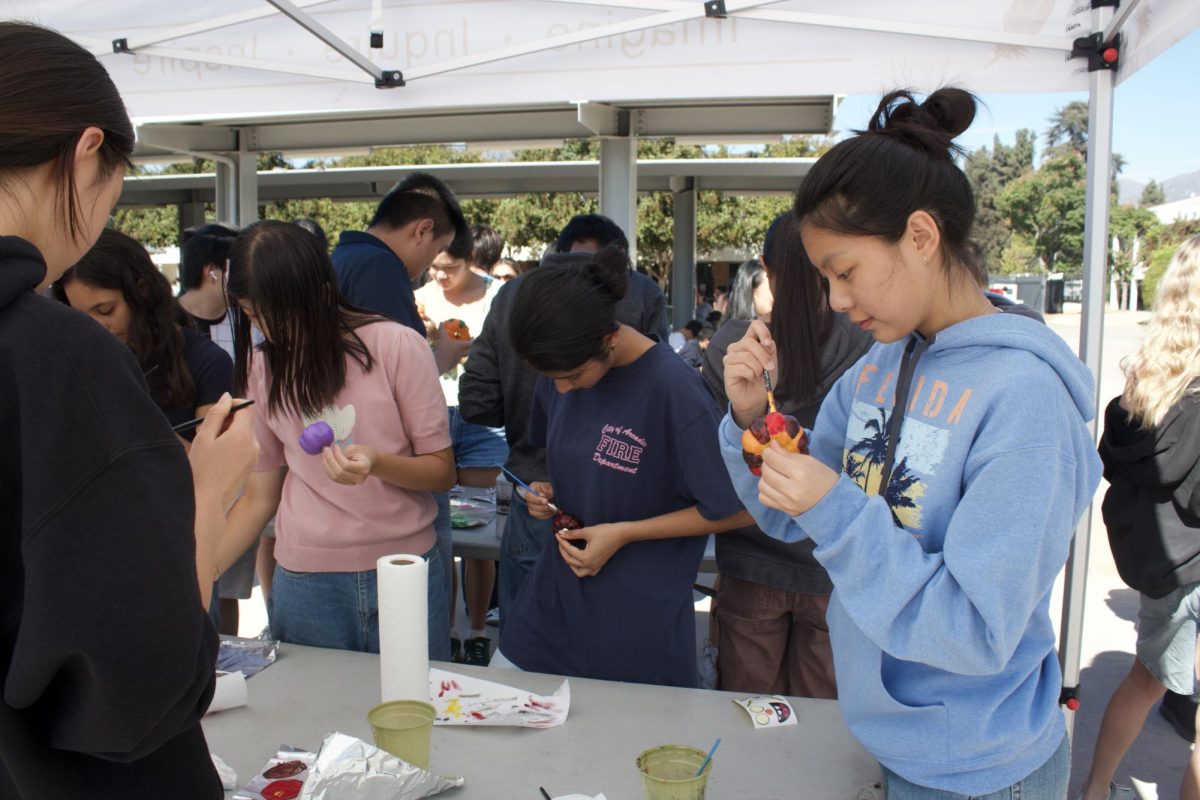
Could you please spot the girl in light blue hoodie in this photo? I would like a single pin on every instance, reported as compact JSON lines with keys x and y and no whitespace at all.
{"x":948,"y":469}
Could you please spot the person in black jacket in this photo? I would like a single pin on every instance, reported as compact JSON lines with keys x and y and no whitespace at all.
{"x":1151,"y":454}
{"x":106,"y":539}
{"x":496,"y":387}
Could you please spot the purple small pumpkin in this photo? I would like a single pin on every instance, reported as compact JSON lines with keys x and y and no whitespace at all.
{"x":316,"y":437}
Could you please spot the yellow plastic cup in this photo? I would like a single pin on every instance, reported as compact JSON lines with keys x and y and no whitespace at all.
{"x":669,"y":772}
{"x":403,"y":728}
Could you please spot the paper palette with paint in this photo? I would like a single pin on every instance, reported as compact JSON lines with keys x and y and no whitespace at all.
{"x":464,"y":700}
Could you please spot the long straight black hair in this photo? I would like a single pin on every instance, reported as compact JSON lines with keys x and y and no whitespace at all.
{"x":282,"y":272}
{"x":118,"y":263}
{"x":801,"y":318}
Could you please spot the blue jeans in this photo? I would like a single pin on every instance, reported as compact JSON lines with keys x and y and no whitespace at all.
{"x":445,"y":548}
{"x":522,"y":543}
{"x":476,"y":445}
{"x":1047,"y":782}
{"x":341,"y":609}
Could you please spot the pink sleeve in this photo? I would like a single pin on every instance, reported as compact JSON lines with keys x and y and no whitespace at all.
{"x":418,"y":394}
{"x":270,"y":449}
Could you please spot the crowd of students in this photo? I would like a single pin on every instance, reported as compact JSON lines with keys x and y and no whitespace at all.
{"x":882,"y":566}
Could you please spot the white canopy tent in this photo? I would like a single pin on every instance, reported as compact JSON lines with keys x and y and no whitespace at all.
{"x":230,"y":77}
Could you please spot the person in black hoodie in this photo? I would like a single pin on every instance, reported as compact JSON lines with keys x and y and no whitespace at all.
{"x":771,"y":606}
{"x":1151,"y":454}
{"x":106,"y":539}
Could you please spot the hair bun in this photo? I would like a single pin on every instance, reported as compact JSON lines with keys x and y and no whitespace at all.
{"x":932,"y":125}
{"x":609,"y":270}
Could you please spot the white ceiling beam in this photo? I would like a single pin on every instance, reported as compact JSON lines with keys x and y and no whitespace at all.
{"x":600,"y":119}
{"x":187,"y":138}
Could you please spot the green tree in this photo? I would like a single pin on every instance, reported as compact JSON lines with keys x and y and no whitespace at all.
{"x":1047,"y":208}
{"x":1068,"y":131}
{"x":1019,"y":257}
{"x":1127,"y":225}
{"x":1152,"y":195}
{"x":989,"y":172}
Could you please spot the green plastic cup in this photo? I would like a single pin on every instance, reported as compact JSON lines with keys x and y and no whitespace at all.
{"x":669,"y":772}
{"x":403,"y":728}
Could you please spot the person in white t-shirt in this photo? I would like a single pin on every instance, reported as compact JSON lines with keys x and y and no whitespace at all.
{"x":458,"y":298}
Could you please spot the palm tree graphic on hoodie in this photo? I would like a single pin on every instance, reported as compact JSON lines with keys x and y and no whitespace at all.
{"x":864,"y":462}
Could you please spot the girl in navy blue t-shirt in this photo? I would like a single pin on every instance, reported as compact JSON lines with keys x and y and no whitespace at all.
{"x":631,"y":445}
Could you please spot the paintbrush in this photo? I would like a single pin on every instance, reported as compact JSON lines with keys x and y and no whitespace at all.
{"x":529,"y":489}
{"x":184,"y":427}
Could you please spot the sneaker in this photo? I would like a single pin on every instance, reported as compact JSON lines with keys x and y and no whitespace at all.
{"x":456,"y":650}
{"x":1180,"y":711}
{"x":477,"y":651}
{"x":493,"y":617}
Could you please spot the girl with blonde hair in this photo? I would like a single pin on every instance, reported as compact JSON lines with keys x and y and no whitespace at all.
{"x":1151,"y":454}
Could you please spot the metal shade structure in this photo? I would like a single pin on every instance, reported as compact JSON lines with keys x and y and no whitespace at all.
{"x":232,"y":77}
{"x":483,"y":179}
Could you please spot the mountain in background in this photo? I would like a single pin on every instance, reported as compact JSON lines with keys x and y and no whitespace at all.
{"x":1181,"y":187}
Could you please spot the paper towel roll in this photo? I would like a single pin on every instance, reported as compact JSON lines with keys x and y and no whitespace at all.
{"x":403,"y":628}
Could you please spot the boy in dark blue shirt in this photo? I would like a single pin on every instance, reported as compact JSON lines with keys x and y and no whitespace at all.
{"x":413,"y":223}
{"x":630,"y":437}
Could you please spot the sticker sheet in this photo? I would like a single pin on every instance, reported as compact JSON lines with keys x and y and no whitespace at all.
{"x":768,"y":711}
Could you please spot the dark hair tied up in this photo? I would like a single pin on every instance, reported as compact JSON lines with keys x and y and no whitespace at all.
{"x":562,"y":314}
{"x":932,"y":125}
{"x":609,"y":270}
{"x":871,"y":183}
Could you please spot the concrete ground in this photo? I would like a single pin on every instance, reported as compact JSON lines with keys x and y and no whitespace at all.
{"x":1154,"y":765}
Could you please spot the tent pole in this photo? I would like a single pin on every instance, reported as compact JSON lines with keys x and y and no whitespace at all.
{"x":1124,"y":12}
{"x":328,"y":37}
{"x":1095,"y":268}
{"x":618,"y":185}
{"x":683,"y":260}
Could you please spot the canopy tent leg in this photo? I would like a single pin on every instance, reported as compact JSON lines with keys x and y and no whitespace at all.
{"x":683,"y":265}
{"x":1095,"y":268}
{"x":618,"y":185}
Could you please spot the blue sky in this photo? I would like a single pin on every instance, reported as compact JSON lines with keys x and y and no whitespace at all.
{"x":1156,"y":122}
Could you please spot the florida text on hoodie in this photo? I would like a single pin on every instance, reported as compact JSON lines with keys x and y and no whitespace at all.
{"x":942,"y":641}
